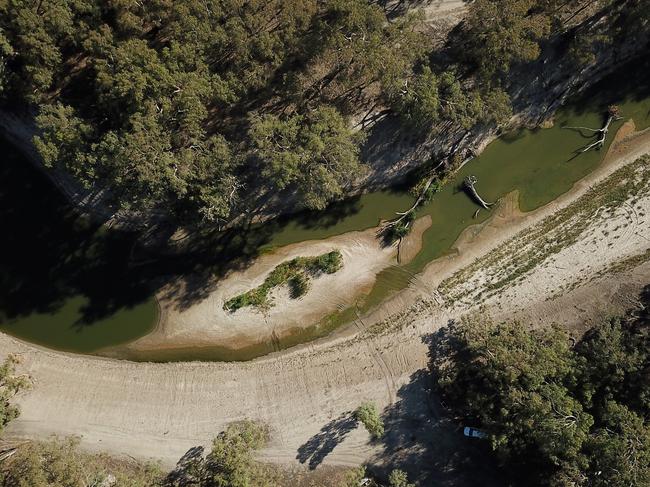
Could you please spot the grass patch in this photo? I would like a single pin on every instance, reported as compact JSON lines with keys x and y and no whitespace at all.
{"x":296,"y":273}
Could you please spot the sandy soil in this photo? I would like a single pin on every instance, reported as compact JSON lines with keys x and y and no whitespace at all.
{"x":411,"y":245}
{"x":207,"y":323}
{"x":305,"y":394}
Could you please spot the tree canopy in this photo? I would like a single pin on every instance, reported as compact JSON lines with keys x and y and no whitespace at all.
{"x":368,"y":415}
{"x":230,"y":462}
{"x":316,"y":152}
{"x":555,"y":414}
{"x":181,"y":103}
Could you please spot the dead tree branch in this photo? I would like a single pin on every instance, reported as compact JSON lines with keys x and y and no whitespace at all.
{"x":469,"y":183}
{"x":613,"y":114}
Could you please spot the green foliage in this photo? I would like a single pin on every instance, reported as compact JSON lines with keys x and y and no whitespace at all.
{"x":399,"y":230}
{"x":368,"y":415}
{"x":328,"y":263}
{"x":612,"y":360}
{"x":354,"y":48}
{"x":10,"y":385}
{"x":317,"y":153}
{"x":296,"y":272}
{"x":6,"y":51}
{"x":354,"y":477}
{"x":59,"y":463}
{"x":502,"y":32}
{"x":63,"y":140}
{"x":431,"y":98}
{"x":398,"y":478}
{"x":560,"y":415}
{"x":230,"y":463}
{"x":172,"y":104}
{"x":620,"y":448}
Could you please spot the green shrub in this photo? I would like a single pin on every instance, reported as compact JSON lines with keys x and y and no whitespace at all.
{"x":328,"y":263}
{"x":368,"y":415}
{"x":398,"y":478}
{"x":299,"y":285}
{"x":402,"y":229}
{"x":294,"y":273}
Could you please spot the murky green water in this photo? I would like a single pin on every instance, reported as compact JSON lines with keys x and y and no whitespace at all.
{"x":71,"y":286}
{"x":64,"y":283}
{"x":541,"y":164}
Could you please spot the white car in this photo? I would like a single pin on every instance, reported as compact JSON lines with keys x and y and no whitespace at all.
{"x":473,"y":433}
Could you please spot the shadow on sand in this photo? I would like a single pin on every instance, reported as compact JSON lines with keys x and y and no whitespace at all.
{"x":322,"y":443}
{"x":420,"y":437}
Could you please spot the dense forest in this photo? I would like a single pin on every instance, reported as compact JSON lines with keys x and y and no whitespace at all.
{"x":207,"y":107}
{"x":557,"y":412}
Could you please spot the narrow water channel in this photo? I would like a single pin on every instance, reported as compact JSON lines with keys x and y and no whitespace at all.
{"x":69,"y":285}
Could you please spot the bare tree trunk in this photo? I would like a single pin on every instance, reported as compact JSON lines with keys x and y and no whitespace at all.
{"x":469,"y":183}
{"x":404,"y":214}
{"x":613,"y":115}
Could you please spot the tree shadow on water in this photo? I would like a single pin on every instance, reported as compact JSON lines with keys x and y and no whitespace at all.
{"x":51,"y":253}
{"x":322,"y":443}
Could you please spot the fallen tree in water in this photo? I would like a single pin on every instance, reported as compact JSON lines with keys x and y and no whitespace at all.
{"x":613,"y":114}
{"x":404,"y":216}
{"x":469,"y":184}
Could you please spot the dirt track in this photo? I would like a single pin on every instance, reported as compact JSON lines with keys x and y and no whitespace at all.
{"x":161,"y":410}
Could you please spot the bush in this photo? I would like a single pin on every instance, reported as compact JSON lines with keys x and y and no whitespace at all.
{"x":328,"y":263}
{"x":398,"y":478}
{"x":401,"y":230}
{"x":368,"y":415}
{"x":59,"y":462}
{"x":292,"y":273}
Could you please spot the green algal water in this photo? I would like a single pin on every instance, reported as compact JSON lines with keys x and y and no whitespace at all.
{"x":72,"y":286}
{"x":64,"y":282}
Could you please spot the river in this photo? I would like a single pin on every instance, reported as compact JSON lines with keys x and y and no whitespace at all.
{"x":70,"y":285}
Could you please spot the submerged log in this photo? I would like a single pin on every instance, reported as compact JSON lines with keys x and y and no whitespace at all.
{"x":469,"y":183}
{"x":613,"y":114}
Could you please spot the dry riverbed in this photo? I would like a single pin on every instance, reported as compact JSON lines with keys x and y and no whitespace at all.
{"x":305,"y":394}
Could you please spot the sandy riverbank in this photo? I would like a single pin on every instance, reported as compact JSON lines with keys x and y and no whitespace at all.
{"x":252,"y":332}
{"x":207,"y":323}
{"x":161,"y":410}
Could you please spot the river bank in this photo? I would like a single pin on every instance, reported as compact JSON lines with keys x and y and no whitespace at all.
{"x":254,"y":330}
{"x":161,"y":410}
{"x":94,"y":290}
{"x":370,"y":276}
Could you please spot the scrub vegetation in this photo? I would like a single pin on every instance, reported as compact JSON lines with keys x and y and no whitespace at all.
{"x":59,"y":462}
{"x":295,"y":272}
{"x":555,"y":414}
{"x":10,"y":385}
